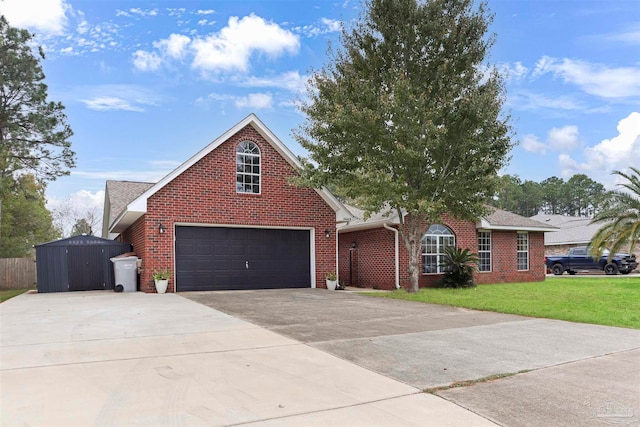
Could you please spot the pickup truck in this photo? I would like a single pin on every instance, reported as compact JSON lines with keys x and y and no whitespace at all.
{"x":579,"y":259}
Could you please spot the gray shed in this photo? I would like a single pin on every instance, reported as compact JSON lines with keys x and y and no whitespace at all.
{"x":79,"y":263}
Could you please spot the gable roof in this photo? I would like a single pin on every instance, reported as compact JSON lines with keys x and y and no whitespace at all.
{"x":571,"y":230}
{"x":137,"y":206}
{"x":496,"y":219}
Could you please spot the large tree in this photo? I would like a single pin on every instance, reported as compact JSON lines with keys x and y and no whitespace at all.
{"x":26,"y":221}
{"x":553,"y":196}
{"x":621,"y":218}
{"x":34,"y":134}
{"x":408,"y":114}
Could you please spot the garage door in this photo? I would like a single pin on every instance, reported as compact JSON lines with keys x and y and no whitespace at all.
{"x":217,"y":258}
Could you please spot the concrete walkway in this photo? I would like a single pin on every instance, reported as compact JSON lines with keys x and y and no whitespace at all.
{"x":578,"y":374}
{"x":107,"y":359}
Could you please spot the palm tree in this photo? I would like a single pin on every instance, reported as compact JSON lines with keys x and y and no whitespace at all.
{"x":621,"y":218}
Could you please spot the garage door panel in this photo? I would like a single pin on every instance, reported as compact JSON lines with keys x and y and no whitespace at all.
{"x":278,"y":258}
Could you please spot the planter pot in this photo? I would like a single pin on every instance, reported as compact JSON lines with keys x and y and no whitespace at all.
{"x":161,"y":286}
{"x":331,"y":284}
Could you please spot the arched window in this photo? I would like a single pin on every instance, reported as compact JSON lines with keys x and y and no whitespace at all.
{"x":434,"y":241}
{"x":247,"y":168}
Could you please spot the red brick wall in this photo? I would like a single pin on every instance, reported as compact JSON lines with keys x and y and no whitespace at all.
{"x":206,"y":194}
{"x":375,"y":253}
{"x":372,"y":260}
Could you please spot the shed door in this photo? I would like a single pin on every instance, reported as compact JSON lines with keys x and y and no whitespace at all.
{"x":85,"y":266}
{"x":220,"y":258}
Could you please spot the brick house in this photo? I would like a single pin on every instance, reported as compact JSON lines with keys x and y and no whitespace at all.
{"x":228,"y":218}
{"x":371,"y":253}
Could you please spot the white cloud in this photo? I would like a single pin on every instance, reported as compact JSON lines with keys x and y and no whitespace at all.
{"x":116,"y":97}
{"x":110,"y":103}
{"x":515,"y":71}
{"x":174,"y":46}
{"x":325,"y":26}
{"x":616,"y":153}
{"x":630,"y":35}
{"x":146,"y":61}
{"x":203,"y":22}
{"x":259,"y":101}
{"x":531,"y":144}
{"x":232,"y":47}
{"x":206,"y":12}
{"x":525,"y":100}
{"x":290,"y":80}
{"x":594,"y":79}
{"x":45,"y":16}
{"x":564,"y":139}
{"x":331,"y":25}
{"x":143,"y":12}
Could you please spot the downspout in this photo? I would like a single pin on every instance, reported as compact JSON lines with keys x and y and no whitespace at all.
{"x":395,"y":232}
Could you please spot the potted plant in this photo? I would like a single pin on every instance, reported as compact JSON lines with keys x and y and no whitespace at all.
{"x":161,"y":279}
{"x":332,"y":281}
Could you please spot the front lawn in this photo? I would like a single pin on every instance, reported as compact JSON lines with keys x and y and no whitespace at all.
{"x":601,"y":301}
{"x":10,"y":293}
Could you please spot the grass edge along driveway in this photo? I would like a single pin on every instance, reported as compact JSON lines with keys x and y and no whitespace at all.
{"x":6,"y":294}
{"x":599,"y":301}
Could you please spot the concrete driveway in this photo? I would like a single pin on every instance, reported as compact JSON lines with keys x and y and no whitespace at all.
{"x":116,"y":359}
{"x":577,"y":374}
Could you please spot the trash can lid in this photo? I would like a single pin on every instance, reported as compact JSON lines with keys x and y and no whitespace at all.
{"x":125,"y":258}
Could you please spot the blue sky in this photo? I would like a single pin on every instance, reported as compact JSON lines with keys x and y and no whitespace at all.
{"x":146,"y":84}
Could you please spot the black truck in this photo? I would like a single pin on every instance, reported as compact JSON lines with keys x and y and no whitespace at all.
{"x":579,"y":259}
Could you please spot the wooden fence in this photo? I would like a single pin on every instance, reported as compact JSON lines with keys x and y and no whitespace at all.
{"x":17,"y":273}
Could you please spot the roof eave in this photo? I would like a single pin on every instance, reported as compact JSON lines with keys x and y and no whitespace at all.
{"x":125,"y":220}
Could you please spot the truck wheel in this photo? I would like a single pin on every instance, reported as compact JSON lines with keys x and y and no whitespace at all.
{"x":611,"y":269}
{"x":557,"y":269}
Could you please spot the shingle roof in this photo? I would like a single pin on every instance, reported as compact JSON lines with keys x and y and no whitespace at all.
{"x":385,"y":214}
{"x":499,"y":218}
{"x":496,"y":218}
{"x":572,"y":230}
{"x":121,"y":193}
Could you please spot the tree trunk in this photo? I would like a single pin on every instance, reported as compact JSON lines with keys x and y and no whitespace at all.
{"x":414,"y":266}
{"x":412,"y":232}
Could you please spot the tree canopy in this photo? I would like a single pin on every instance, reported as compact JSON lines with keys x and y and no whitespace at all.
{"x":408,"y":114}
{"x":34,"y":134}
{"x":25,"y":220}
{"x":578,"y":196}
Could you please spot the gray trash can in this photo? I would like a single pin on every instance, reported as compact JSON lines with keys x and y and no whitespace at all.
{"x":126,"y":273}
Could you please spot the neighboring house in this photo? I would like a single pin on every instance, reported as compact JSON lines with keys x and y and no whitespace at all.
{"x":572,"y":231}
{"x":228,"y":218}
{"x":372,"y":253}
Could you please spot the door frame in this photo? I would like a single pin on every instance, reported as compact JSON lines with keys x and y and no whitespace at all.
{"x":312,"y":243}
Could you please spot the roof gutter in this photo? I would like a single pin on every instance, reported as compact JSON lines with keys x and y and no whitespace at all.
{"x":395,"y":232}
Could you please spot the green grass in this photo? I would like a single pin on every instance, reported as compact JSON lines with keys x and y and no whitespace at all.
{"x":601,"y":301}
{"x":10,"y":293}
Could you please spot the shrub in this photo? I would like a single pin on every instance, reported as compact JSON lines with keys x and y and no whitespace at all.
{"x":458,"y":265}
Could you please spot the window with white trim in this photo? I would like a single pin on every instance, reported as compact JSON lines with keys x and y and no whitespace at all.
{"x":247,"y":168}
{"x":484,"y":251}
{"x":523,"y":250}
{"x":434,"y":241}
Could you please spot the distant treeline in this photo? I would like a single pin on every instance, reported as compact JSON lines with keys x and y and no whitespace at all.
{"x":578,"y":196}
